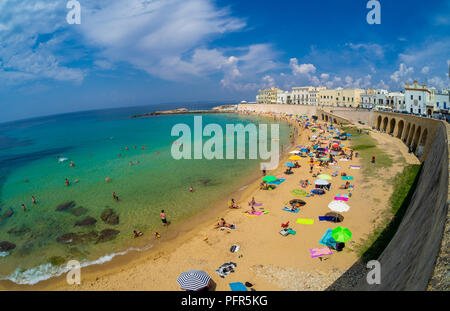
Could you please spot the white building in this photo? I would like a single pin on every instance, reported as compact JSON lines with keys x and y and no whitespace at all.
{"x":440,"y":101}
{"x":396,"y":100}
{"x":417,"y":99}
{"x":306,"y":95}
{"x":284,"y":97}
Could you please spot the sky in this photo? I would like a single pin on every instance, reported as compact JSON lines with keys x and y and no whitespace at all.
{"x":144,"y":52}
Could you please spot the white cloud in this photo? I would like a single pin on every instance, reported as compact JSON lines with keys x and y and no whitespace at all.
{"x":303,"y":69}
{"x":425,"y":70}
{"x":402,"y":74}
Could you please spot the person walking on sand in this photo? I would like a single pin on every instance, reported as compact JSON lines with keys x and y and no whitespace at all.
{"x":163,"y":217}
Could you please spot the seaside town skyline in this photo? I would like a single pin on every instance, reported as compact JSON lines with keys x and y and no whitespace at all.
{"x":134,"y":53}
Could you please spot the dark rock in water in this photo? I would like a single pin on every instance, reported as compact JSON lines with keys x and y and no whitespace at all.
{"x":18,"y":231}
{"x":6,"y":246}
{"x":107,"y":235}
{"x":88,"y":221}
{"x":110,"y":217}
{"x":77,"y":238}
{"x":205,"y":181}
{"x":78,"y":211}
{"x":65,"y":206}
{"x":8,"y":213}
{"x":56,"y":260}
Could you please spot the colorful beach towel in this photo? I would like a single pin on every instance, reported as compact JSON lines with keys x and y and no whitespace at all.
{"x":355,"y":167}
{"x":341,"y":197}
{"x":327,"y":218}
{"x":347,"y":177}
{"x":327,"y":239}
{"x":319,"y":252}
{"x":287,"y":209}
{"x":290,"y":231}
{"x":276,"y":182}
{"x":257,"y":204}
{"x":238,"y":287}
{"x":299,"y":193}
{"x":305,"y":221}
{"x":254,"y":214}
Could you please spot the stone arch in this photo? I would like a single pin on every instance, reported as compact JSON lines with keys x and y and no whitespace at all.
{"x":379,"y":122}
{"x":326,"y":118}
{"x":411,"y":135}
{"x":400,"y":127}
{"x":405,"y":136}
{"x":385,"y":123}
{"x":392,"y":126}
{"x":415,"y":141}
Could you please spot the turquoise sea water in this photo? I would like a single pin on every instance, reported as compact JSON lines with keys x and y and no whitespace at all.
{"x":29,"y":165}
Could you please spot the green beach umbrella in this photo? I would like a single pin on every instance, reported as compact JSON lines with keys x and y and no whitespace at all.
{"x":341,"y":234}
{"x":269,"y":178}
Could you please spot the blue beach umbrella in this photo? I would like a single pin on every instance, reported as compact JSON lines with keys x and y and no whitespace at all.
{"x":304,"y":150}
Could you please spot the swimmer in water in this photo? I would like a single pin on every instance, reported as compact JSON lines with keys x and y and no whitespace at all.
{"x":72,"y":164}
{"x":67,"y":182}
{"x":131,"y":163}
{"x":33,"y":199}
{"x":191,"y":189}
{"x":24,"y":208}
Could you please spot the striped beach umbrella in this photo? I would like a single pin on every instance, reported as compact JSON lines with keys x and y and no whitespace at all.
{"x":193,"y":280}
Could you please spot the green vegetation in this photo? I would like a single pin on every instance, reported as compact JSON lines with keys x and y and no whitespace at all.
{"x":404,"y":186}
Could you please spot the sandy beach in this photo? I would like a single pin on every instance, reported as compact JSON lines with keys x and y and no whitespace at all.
{"x":266,"y":259}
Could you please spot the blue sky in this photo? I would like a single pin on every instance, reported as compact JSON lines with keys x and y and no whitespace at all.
{"x":141,"y":52}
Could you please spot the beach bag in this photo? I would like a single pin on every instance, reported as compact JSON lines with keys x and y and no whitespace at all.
{"x":339,"y":246}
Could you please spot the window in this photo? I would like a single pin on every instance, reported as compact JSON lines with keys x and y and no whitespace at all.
{"x":412,"y":97}
{"x":437,"y":104}
{"x":420,"y":97}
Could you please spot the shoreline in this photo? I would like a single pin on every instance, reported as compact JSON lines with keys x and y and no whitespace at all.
{"x":186,"y":229}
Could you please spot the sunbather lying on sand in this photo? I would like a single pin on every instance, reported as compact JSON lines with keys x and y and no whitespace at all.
{"x":223,"y":224}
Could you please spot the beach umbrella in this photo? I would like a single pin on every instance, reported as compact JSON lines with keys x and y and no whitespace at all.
{"x":318,"y":191}
{"x":321,"y":182}
{"x":338,"y":206}
{"x":338,"y":217}
{"x":324,"y":176}
{"x":295,"y":158}
{"x":193,"y":280}
{"x":295,"y":151}
{"x":336,"y":146}
{"x":289,"y":164}
{"x":295,"y":201}
{"x":341,"y":234}
{"x":304,"y":150}
{"x":321,"y":149}
{"x":269,"y":178}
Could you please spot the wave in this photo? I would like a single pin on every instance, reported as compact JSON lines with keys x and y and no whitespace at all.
{"x":46,"y":271}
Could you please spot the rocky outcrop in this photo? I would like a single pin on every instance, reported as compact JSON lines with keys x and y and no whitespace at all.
{"x":88,"y":221}
{"x":65,"y":206}
{"x":78,"y":211}
{"x":110,"y":217}
{"x":20,"y":231}
{"x":8,"y":213}
{"x":6,"y":246}
{"x":77,"y":238}
{"x":107,"y":235}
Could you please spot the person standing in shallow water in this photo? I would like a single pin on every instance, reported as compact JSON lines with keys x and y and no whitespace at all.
{"x":24,"y":208}
{"x":163,"y":218}
{"x":33,"y":199}
{"x":67,"y":182}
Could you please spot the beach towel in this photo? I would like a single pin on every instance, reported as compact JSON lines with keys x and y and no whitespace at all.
{"x":347,"y":177}
{"x":319,"y":252}
{"x":254,"y":214}
{"x":327,"y":239}
{"x":276,"y":182}
{"x":327,"y":218}
{"x":290,"y":231}
{"x":305,"y":221}
{"x":355,"y":167}
{"x":341,"y":199}
{"x":343,"y":160}
{"x":287,"y":209}
{"x":257,"y":204}
{"x":226,"y":269}
{"x":238,"y":287}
